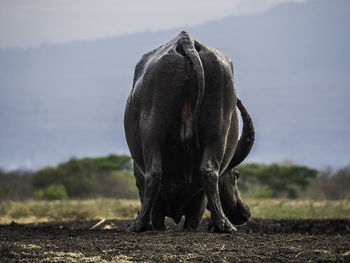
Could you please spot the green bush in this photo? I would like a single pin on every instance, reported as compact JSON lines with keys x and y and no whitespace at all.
{"x":347,"y":197}
{"x":90,"y":177}
{"x":52,"y":192}
{"x":277,"y":180}
{"x":2,"y":193}
{"x":265,"y":192}
{"x":116,"y":184}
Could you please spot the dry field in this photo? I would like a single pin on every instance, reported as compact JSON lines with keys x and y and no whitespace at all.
{"x":43,"y":211}
{"x":69,"y":231}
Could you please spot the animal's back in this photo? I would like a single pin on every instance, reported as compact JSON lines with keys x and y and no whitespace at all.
{"x":166,"y":76}
{"x":165,"y":82}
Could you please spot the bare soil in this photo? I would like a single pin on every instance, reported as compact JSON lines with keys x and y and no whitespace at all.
{"x":260,"y":240}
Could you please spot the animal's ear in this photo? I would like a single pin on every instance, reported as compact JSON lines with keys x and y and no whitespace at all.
{"x":235,"y":173}
{"x":226,"y":182}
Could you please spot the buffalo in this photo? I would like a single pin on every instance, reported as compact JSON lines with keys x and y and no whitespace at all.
{"x":181,"y":126}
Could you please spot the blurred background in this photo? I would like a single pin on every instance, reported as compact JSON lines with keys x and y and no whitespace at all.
{"x":66,"y":69}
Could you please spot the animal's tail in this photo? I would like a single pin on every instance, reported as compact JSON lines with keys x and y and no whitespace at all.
{"x":188,"y":47}
{"x":246,"y":140}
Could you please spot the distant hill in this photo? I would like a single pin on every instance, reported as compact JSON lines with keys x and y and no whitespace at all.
{"x":292,"y":68}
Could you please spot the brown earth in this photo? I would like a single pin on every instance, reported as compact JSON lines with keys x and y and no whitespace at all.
{"x":261,"y":240}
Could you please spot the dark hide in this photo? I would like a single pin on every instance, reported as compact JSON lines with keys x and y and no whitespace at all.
{"x":181,"y":126}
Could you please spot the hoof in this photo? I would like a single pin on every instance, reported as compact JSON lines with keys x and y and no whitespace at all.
{"x":138,"y":227}
{"x":222,"y":226}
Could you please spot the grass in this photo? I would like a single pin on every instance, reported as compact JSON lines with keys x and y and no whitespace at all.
{"x":299,"y":208}
{"x":40,"y":211}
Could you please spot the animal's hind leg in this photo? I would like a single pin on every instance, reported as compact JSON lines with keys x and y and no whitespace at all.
{"x":209,"y":171}
{"x":194,"y":211}
{"x":140,"y":182}
{"x":162,"y":105}
{"x":153,"y":174}
{"x":158,"y":216}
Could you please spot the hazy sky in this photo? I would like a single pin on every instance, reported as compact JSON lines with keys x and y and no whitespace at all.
{"x":31,"y":22}
{"x":59,"y":101}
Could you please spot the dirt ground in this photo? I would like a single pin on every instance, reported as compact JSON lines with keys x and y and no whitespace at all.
{"x":261,"y":240}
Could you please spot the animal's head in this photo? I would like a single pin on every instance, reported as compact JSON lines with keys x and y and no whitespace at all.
{"x":232,"y":204}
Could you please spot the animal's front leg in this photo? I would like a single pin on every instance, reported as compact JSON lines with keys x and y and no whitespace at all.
{"x":210,"y":178}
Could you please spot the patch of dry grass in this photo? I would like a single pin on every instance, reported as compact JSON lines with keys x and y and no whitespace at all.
{"x":41,"y":211}
{"x":299,"y":208}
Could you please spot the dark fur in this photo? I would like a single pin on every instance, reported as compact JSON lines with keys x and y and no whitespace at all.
{"x":181,"y":126}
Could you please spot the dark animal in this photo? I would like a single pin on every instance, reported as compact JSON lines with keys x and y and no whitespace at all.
{"x":181,"y":127}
